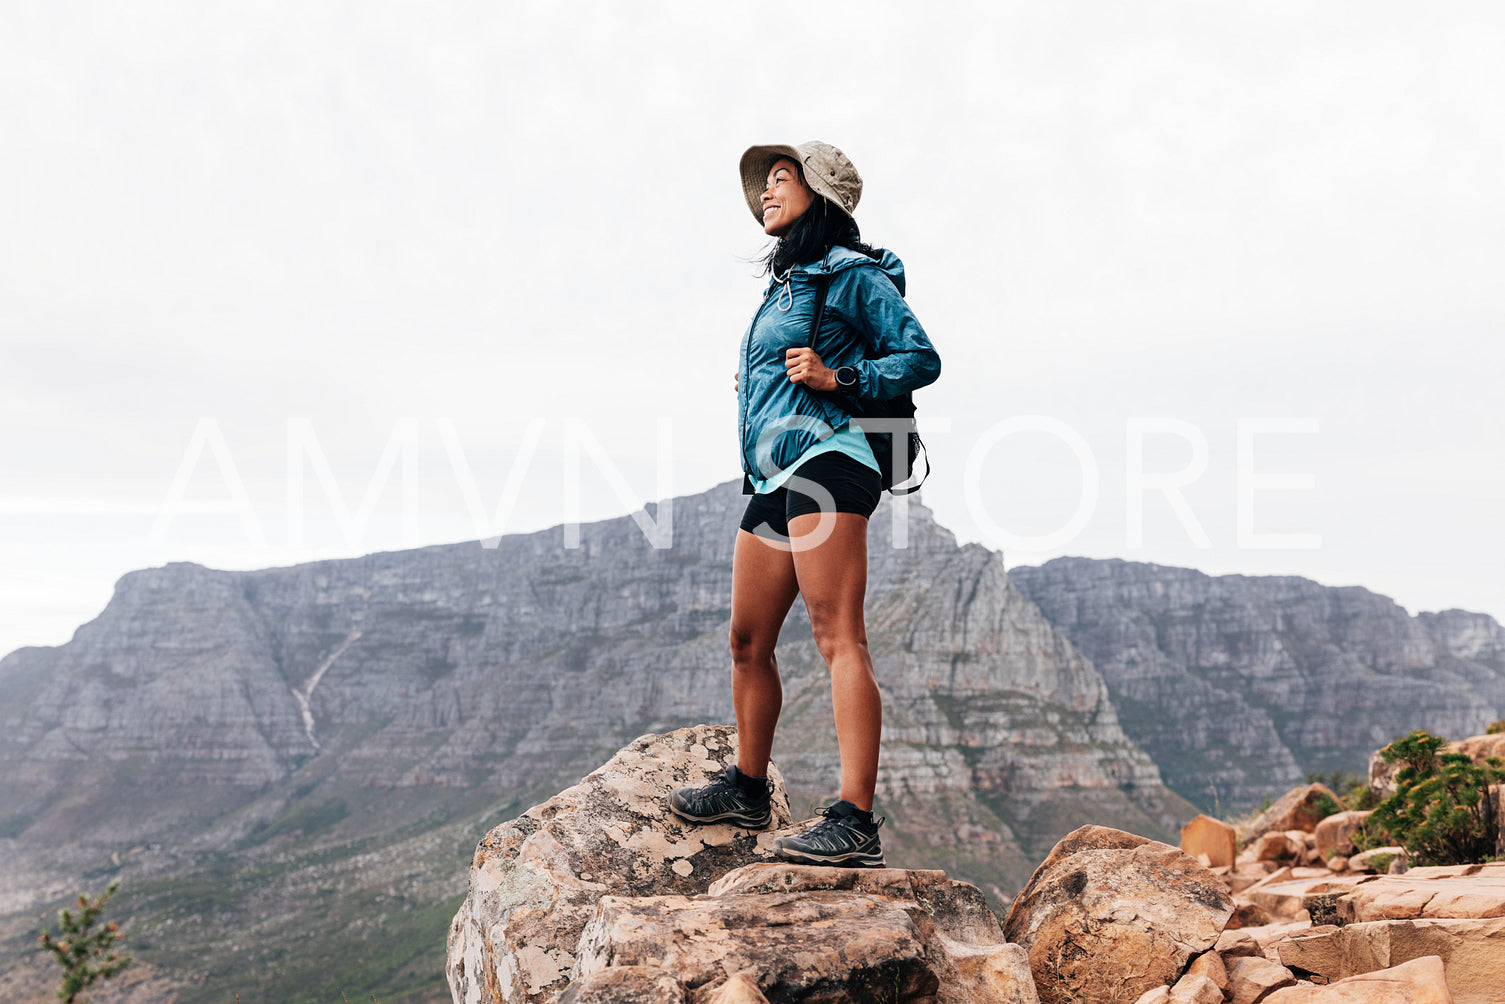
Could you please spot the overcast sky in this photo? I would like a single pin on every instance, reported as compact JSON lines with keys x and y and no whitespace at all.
{"x":278,"y":260}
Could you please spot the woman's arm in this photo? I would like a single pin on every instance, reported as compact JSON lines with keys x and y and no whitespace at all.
{"x":903,"y":358}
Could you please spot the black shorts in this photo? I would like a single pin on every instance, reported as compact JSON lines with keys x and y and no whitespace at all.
{"x":853,"y":485}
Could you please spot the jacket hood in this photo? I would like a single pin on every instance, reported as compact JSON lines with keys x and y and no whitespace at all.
{"x":839,"y":259}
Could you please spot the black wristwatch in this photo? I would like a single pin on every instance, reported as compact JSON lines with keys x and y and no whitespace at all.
{"x":846,"y":378}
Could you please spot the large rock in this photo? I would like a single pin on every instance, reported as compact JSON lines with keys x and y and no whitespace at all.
{"x":536,"y":880}
{"x":1421,"y":981}
{"x":1472,"y":952}
{"x":1298,"y":809}
{"x":601,"y":895}
{"x":1335,"y":834}
{"x":1212,"y":839}
{"x":1277,"y":845}
{"x":1111,"y":915}
{"x":1252,"y":978}
{"x":1435,"y":892}
{"x":798,"y":932}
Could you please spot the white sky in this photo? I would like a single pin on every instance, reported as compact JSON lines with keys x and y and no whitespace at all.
{"x":371,"y":223}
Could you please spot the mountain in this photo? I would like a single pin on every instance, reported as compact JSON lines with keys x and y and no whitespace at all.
{"x":288,"y":768}
{"x":1238,"y":685}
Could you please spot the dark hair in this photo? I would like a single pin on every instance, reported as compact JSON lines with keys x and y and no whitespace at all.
{"x":812,"y":236}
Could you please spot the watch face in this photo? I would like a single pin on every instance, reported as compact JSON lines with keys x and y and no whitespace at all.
{"x":846,"y":376}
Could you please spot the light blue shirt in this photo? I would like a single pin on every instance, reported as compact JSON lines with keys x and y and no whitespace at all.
{"x":849,"y":440}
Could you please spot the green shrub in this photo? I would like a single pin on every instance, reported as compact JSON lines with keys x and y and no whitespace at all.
{"x":1438,"y":813}
{"x":1495,"y":728}
{"x":1327,"y":805}
{"x":86,"y":955}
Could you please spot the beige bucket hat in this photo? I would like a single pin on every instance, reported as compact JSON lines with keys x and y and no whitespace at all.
{"x":827,"y":171}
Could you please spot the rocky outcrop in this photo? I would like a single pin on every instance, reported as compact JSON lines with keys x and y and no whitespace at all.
{"x":1243,"y":683}
{"x":1456,"y":891}
{"x":1110,"y":915}
{"x":1341,"y":935}
{"x":1472,"y":952}
{"x":600,"y":891}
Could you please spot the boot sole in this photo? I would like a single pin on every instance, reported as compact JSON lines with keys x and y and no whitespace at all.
{"x":852,"y":859}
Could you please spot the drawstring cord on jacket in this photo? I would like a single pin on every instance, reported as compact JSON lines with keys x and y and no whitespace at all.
{"x":786,"y":291}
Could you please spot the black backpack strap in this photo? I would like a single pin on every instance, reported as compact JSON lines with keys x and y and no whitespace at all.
{"x":822,"y":286}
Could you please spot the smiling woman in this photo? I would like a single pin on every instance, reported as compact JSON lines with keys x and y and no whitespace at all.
{"x":833,"y":327}
{"x":786,"y":198}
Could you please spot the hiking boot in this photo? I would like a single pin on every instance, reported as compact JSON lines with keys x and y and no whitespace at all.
{"x":842,"y":839}
{"x":725,"y":800}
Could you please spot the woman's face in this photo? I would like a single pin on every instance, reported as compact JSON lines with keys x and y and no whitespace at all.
{"x":785,"y":199}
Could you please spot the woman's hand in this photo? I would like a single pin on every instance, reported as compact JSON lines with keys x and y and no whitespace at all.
{"x":804,"y":366}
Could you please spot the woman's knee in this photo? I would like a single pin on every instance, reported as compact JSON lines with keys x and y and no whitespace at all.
{"x":751,"y":647}
{"x":837,"y":639}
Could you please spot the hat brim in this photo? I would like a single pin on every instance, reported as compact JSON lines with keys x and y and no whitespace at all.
{"x":754,"y":167}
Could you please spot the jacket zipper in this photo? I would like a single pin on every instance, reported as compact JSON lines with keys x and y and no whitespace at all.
{"x":747,"y":371}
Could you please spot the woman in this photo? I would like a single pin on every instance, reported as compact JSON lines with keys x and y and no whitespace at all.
{"x":814,"y":482}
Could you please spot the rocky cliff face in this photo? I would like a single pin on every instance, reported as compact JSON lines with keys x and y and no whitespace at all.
{"x":1242,"y":683}
{"x":259,"y":731}
{"x":512,"y":669}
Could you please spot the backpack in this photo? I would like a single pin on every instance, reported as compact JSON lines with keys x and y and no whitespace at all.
{"x":882,"y":443}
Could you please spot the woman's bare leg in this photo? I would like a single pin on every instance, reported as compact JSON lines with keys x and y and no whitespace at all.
{"x":763,"y":590}
{"x":832,"y":575}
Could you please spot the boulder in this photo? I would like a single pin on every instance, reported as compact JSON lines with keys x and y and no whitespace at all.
{"x":1420,"y":981}
{"x":1210,"y":964}
{"x":1278,"y":845}
{"x":536,"y":880}
{"x":1334,"y":835}
{"x":1472,"y":952}
{"x":1188,"y":990}
{"x":1252,"y":978}
{"x":798,"y":932}
{"x":1196,"y":990}
{"x":1210,"y":839}
{"x":1435,"y":892}
{"x":1297,"y":809}
{"x":1110,"y":915}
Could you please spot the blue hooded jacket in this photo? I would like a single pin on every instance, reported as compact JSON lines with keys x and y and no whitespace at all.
{"x":866,"y":325}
